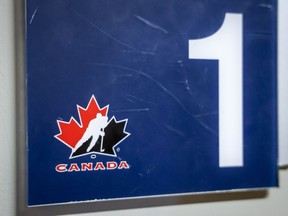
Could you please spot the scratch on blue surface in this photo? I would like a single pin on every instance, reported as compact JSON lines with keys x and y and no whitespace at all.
{"x":152,"y":25}
{"x":102,"y":31}
{"x":33,"y":15}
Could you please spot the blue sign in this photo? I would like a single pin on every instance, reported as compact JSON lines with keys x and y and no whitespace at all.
{"x":134,"y":98}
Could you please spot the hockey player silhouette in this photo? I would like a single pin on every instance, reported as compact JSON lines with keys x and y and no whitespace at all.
{"x":95,"y":129}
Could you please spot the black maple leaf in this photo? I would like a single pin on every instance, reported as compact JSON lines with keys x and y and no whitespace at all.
{"x":114,"y":134}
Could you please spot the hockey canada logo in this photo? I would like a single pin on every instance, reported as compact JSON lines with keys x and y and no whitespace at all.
{"x":94,"y":134}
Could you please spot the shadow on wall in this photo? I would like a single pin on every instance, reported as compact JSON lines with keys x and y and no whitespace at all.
{"x":137,"y":203}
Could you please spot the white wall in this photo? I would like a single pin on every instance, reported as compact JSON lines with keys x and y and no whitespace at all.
{"x":264,"y":203}
{"x":7,"y":110}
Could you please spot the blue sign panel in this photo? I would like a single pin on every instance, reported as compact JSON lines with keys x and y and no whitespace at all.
{"x":135,"y":98}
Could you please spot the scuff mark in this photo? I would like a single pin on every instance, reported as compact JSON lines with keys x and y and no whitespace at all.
{"x":132,"y":98}
{"x":187,"y":85}
{"x":186,"y":81}
{"x":155,"y":46}
{"x":174,"y":130}
{"x":140,"y":52}
{"x":147,"y":53}
{"x":152,"y":25}
{"x":101,"y":30}
{"x":131,"y":110}
{"x":135,"y":189}
{"x":33,"y":15}
{"x":269,"y":6}
{"x":207,"y":127}
{"x":206,"y":114}
{"x":149,"y":170}
{"x":115,"y":78}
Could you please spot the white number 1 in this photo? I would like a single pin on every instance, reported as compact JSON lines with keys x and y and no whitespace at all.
{"x":226,"y":46}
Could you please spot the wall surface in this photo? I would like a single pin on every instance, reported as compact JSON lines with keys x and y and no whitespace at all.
{"x":270,"y":202}
{"x":7,"y":109}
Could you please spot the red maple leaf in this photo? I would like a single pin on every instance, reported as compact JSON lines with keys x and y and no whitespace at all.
{"x":72,"y":131}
